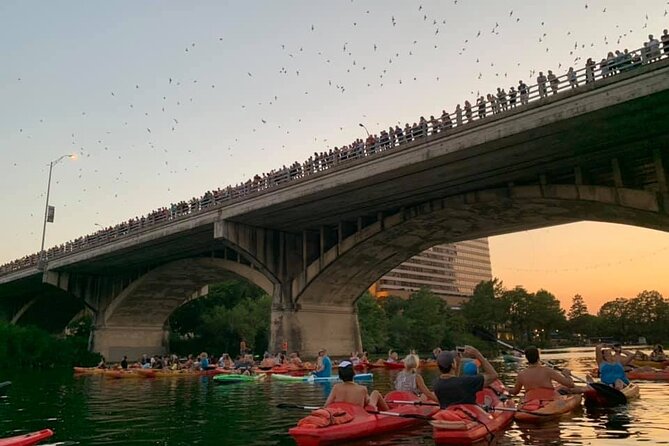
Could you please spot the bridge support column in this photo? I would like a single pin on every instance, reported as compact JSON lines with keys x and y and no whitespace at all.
{"x":115,"y":342}
{"x":312,"y":327}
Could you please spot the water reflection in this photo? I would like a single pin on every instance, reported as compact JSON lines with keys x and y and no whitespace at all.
{"x":173,"y":412}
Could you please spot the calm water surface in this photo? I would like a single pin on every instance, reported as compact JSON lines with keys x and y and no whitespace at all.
{"x":94,"y":410}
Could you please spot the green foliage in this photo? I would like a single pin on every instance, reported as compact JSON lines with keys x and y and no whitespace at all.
{"x":578,"y":308}
{"x":627,"y":319}
{"x":421,"y":322}
{"x":485,"y":307}
{"x":26,"y":346}
{"x":217,"y":322}
{"x":373,"y":323}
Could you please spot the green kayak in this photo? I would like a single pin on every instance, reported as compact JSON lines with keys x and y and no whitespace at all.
{"x":235,"y":379}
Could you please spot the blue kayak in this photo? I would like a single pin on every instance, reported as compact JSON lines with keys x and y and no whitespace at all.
{"x":312,"y":378}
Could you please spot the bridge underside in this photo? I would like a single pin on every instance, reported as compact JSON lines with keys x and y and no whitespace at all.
{"x":596,"y":153}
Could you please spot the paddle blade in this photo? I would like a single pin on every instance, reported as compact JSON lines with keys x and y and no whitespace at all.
{"x":484,"y":334}
{"x":613,"y":396}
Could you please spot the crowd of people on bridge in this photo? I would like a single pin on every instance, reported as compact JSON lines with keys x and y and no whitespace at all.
{"x":501,"y":101}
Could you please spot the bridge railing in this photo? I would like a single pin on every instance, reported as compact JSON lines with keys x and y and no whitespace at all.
{"x":393,"y":138}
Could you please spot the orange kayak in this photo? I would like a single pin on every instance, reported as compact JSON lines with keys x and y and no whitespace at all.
{"x":658,"y":375}
{"x":550,"y":408}
{"x":27,"y":439}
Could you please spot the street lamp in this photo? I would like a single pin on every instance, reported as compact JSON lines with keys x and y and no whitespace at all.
{"x":361,"y":125}
{"x":46,"y":208}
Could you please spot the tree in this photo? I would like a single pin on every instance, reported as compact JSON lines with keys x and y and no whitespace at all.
{"x":578,"y":307}
{"x":615,"y":317}
{"x":428,"y":320}
{"x":373,"y":323}
{"x":485,"y":308}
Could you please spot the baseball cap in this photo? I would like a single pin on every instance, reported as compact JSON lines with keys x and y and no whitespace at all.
{"x":446,"y":359}
{"x":344,"y":364}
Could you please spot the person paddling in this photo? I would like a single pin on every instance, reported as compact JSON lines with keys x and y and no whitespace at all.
{"x":349,"y":392}
{"x":537,"y":379}
{"x":410,"y":381}
{"x":451,"y":389}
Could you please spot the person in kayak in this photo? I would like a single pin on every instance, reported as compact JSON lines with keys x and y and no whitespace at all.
{"x":452,"y":389}
{"x":624,"y":357}
{"x":537,"y":379}
{"x":324,"y":365}
{"x":349,"y":392}
{"x":611,"y":371}
{"x":410,"y":381}
{"x":658,"y":354}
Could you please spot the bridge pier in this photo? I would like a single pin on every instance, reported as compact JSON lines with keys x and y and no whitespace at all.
{"x":115,"y":342}
{"x":313,"y":327}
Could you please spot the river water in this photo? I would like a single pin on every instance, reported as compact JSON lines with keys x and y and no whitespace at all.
{"x":94,"y":410}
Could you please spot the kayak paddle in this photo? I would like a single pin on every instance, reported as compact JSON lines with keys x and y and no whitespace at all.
{"x":613,"y":395}
{"x":373,"y":412}
{"x":511,"y":409}
{"x":486,"y":408}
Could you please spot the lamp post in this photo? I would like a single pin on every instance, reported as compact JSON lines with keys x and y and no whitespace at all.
{"x":46,"y":208}
{"x":362,"y":125}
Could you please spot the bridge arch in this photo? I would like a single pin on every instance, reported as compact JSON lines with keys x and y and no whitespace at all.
{"x":349,"y":268}
{"x":134,"y":321}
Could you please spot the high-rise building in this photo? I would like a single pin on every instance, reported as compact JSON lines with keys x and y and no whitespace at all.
{"x":451,"y":271}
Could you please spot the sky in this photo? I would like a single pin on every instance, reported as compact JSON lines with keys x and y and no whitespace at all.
{"x":163,"y":100}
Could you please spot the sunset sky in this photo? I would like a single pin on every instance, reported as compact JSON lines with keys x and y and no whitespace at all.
{"x":163,"y":100}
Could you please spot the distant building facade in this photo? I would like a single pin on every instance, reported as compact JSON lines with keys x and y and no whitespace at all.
{"x":452,"y":271}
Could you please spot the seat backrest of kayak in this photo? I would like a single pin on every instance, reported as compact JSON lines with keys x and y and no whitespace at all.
{"x":324,"y":417}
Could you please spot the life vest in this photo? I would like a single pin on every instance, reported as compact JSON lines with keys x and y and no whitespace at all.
{"x":325,"y":417}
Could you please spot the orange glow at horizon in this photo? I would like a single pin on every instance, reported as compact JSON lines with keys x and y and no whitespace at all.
{"x":600,"y":261}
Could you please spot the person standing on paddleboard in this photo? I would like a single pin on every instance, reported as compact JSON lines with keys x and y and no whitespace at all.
{"x":452,"y":389}
{"x":537,"y":379}
{"x":324,"y":365}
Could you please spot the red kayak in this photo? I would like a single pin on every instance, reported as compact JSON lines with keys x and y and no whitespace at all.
{"x":363,"y":424}
{"x":469,"y":423}
{"x":393,"y":365}
{"x":27,"y":439}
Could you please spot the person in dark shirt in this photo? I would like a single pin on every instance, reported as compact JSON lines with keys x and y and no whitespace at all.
{"x":452,"y":389}
{"x":124,"y":363}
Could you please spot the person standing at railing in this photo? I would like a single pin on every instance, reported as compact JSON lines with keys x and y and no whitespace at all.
{"x":541,"y":84}
{"x":446,"y":122}
{"x":458,"y":115}
{"x":493,"y":104}
{"x":407,"y":132}
{"x":434,"y":125}
{"x":399,"y":135}
{"x":501,"y":98}
{"x":481,"y":106}
{"x":512,"y":97}
{"x":524,"y":92}
{"x":553,"y":81}
{"x":653,"y":48}
{"x":468,"y":111}
{"x":590,"y":70}
{"x":665,"y":42}
{"x":423,"y":126}
{"x":571,"y":78}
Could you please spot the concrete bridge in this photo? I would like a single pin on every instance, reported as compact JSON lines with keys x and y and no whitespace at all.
{"x":598,"y":152}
